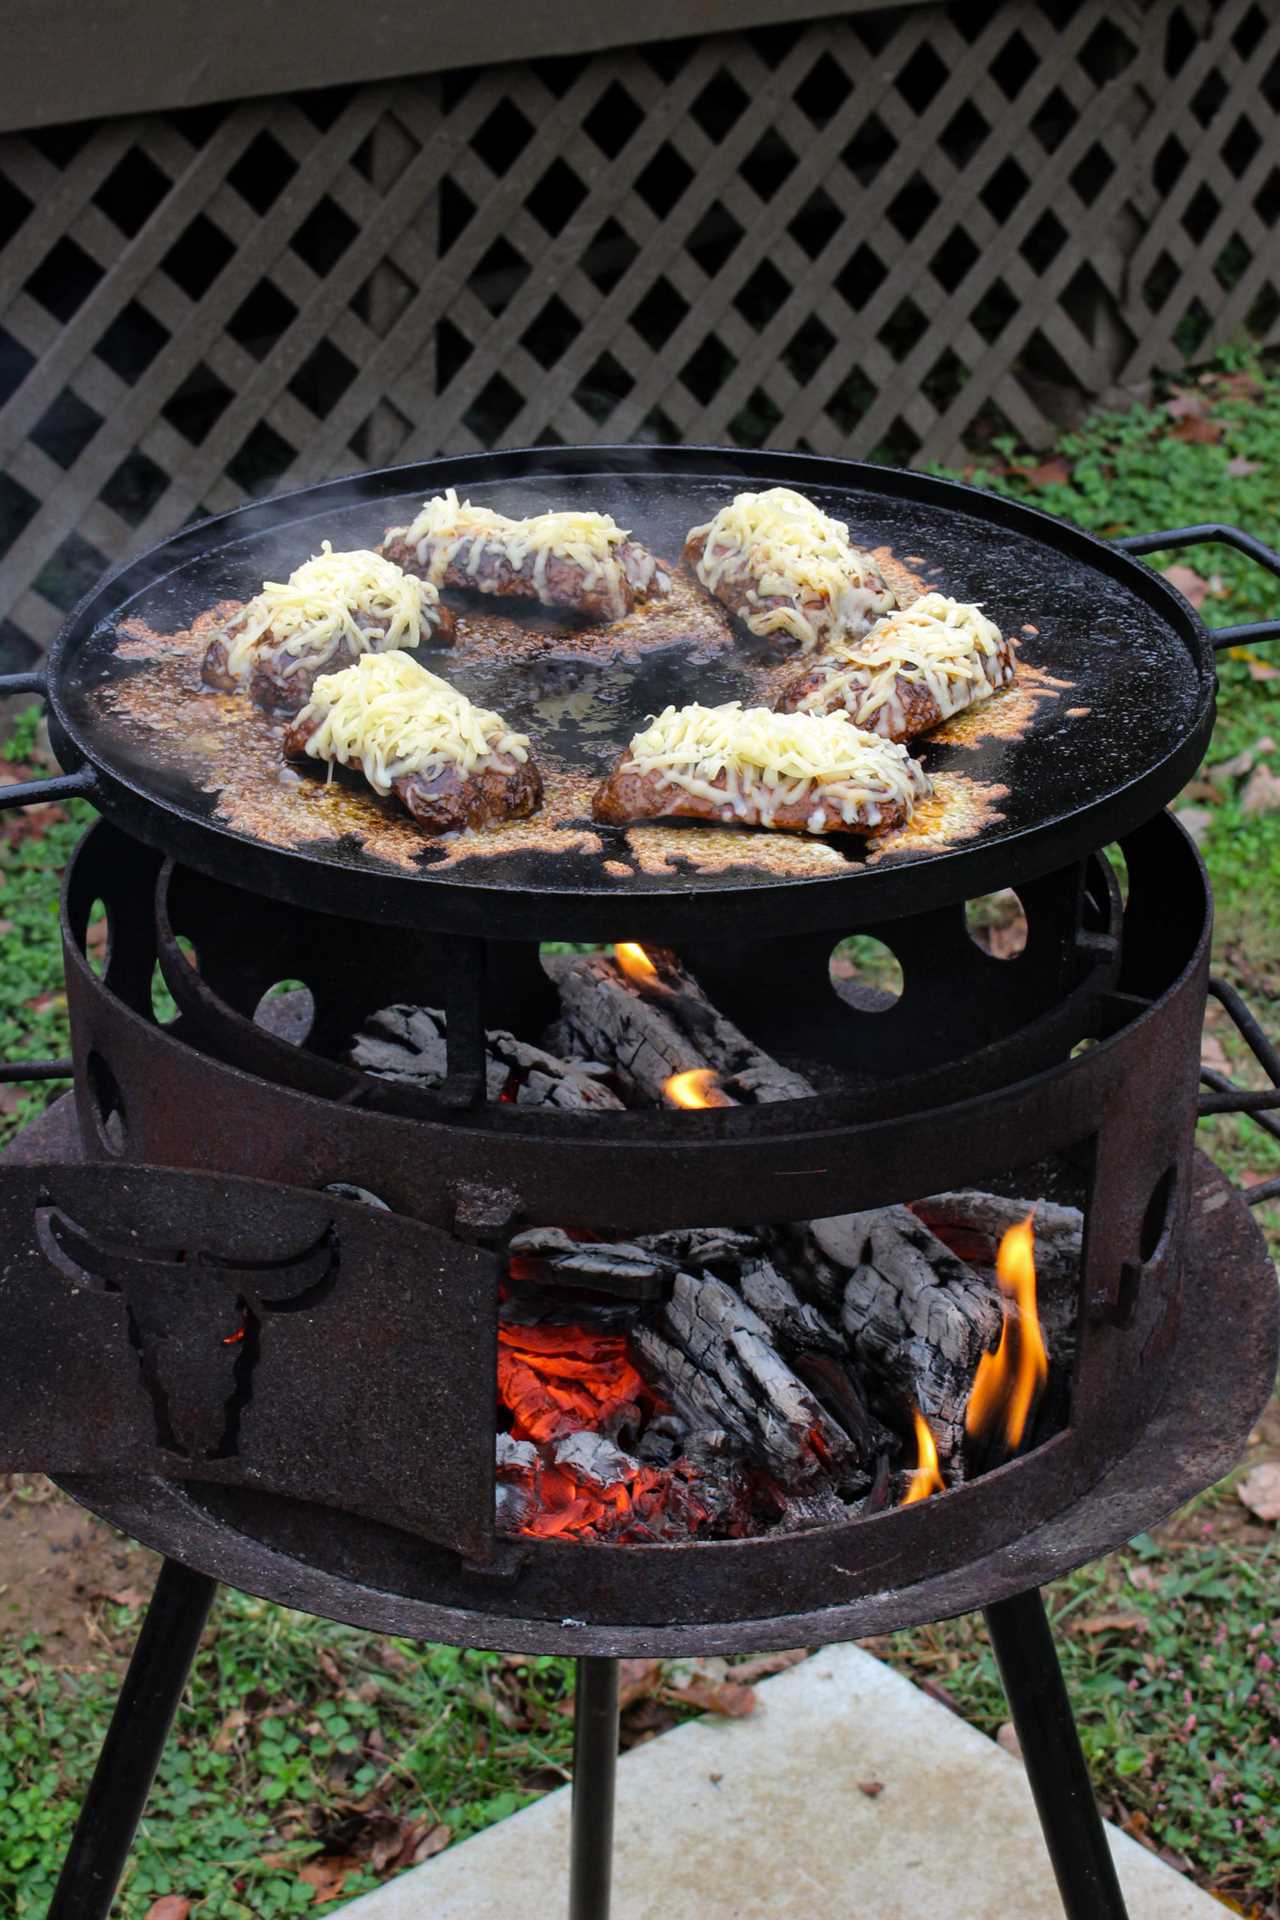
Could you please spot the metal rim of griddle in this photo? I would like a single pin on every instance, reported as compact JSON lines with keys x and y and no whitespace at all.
{"x":1214,"y":1391}
{"x":674,"y":910}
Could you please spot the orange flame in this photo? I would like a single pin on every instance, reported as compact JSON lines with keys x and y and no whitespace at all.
{"x":697,"y":1088}
{"x":1007,"y":1381}
{"x":635,"y":963}
{"x":926,"y":1480}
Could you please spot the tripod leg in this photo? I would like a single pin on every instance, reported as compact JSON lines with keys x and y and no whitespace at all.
{"x":1059,"y":1780}
{"x":135,"y":1740}
{"x":595,"y":1765}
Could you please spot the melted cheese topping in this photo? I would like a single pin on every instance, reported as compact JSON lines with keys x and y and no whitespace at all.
{"x":752,"y":763}
{"x":390,"y":717}
{"x":448,"y":531}
{"x":942,"y":645}
{"x":801,"y":574}
{"x":357,"y":599}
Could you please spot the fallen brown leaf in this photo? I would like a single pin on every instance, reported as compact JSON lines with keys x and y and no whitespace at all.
{"x":1212,"y":1055}
{"x":1262,"y":670}
{"x":225,"y":1738}
{"x":746,"y":1672}
{"x":872,"y":1788}
{"x":1261,"y":792}
{"x":329,"y":1667}
{"x":1193,"y":586}
{"x":1260,"y":1490}
{"x":1186,"y":406}
{"x":1118,"y":1622}
{"x":129,"y":1597}
{"x":1200,"y":432}
{"x":1240,"y":763}
{"x":715,"y":1696}
{"x":170,"y":1906}
{"x":1239,"y":468}
{"x":435,"y":1840}
{"x":1007,"y":1737}
{"x":637,"y":1679}
{"x":327,"y":1876}
{"x":1050,"y":473}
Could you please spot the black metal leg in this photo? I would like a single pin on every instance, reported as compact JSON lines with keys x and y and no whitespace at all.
{"x":135,"y":1740}
{"x":595,"y":1767}
{"x":1059,"y":1780}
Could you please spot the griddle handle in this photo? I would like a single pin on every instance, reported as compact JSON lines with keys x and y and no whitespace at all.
{"x":61,"y":786}
{"x":35,"y":680}
{"x":1215,"y":533}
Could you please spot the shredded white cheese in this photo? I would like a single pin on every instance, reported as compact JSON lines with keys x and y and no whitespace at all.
{"x":446,"y":531}
{"x":792,"y":566}
{"x":751,"y":763}
{"x":391,"y":717}
{"x":946,"y":646}
{"x":354,"y":599}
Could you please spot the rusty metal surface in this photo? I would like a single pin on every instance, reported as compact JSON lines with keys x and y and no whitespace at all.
{"x":225,"y":1330}
{"x":1127,"y":1103}
{"x":142,"y":1090}
{"x":1213,"y":1392}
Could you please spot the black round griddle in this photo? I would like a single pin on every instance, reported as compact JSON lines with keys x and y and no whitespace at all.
{"x":1135,"y":655}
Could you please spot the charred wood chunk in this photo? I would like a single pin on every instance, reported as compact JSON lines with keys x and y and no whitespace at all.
{"x":409,"y":1044}
{"x":973,"y":1225}
{"x":982,"y":1220}
{"x":916,"y":1316}
{"x":615,"y":1267}
{"x":723,"y":1369}
{"x":661,"y":1028}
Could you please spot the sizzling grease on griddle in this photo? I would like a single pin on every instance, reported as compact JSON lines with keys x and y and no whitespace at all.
{"x":575,"y":676}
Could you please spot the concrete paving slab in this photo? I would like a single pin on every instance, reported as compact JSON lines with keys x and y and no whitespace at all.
{"x":763,"y":1819}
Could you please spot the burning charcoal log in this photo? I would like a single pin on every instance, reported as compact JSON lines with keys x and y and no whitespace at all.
{"x":516,"y":1465}
{"x":408,"y":1043}
{"x":602,"y":1266}
{"x":713,"y":1357}
{"x":660,"y":1024}
{"x":594,"y":1458}
{"x":795,"y":1325}
{"x":973,"y":1224}
{"x":663,"y":1440}
{"x":704,"y":1249}
{"x":916,"y":1316}
{"x":820,"y":1508}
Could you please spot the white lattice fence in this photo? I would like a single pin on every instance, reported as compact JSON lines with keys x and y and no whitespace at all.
{"x":887,"y":235}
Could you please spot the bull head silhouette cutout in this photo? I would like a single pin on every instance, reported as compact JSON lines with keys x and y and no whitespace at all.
{"x":196,"y":1319}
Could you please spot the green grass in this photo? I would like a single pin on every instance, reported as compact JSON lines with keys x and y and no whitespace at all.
{"x":1177,"y":1703}
{"x":303,"y":1738}
{"x":297,"y":1738}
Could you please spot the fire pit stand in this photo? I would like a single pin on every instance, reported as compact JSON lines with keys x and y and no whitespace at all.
{"x":254,"y":1289}
{"x":1195,"y":1435}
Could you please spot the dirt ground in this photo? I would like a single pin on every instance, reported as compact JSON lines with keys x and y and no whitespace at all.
{"x":60,"y":1568}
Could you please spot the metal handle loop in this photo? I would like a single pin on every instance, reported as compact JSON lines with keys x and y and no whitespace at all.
{"x":59,"y":786}
{"x":1216,"y":533}
{"x":34,"y":680}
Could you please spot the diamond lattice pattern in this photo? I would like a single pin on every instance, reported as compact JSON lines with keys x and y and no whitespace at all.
{"x":895,"y":235}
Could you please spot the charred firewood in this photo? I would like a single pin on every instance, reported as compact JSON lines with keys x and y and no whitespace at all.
{"x":916,"y":1316}
{"x":661,"y":1027}
{"x":554,"y":1258}
{"x":713,"y":1357}
{"x":973,"y":1224}
{"x":409,"y":1044}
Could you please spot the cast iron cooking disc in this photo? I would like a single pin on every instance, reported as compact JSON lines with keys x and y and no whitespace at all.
{"x":1091,"y":765}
